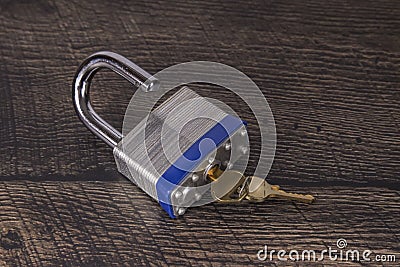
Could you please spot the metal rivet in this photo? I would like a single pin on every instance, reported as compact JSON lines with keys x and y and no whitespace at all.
{"x":227,"y":146}
{"x":178,"y":194}
{"x":197,"y":196}
{"x":244,"y":149}
{"x":243,"y":132}
{"x":195,"y":177}
{"x":181,"y":211}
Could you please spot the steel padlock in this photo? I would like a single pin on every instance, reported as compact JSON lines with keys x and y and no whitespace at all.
{"x":169,"y":152}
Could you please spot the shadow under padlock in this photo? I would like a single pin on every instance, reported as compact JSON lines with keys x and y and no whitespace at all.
{"x":209,"y":138}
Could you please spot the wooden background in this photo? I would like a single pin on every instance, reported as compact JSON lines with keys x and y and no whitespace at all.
{"x":329,"y":69}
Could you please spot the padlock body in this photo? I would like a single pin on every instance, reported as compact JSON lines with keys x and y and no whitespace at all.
{"x":167,"y":154}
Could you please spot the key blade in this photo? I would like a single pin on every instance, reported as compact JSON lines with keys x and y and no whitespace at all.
{"x":291,"y":196}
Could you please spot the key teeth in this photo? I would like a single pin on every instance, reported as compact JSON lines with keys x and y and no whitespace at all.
{"x":293,"y":196}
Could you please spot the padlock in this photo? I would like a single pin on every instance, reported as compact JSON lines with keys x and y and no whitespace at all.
{"x":169,"y":152}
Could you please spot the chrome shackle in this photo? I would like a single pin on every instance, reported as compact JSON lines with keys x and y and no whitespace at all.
{"x":81,"y":90}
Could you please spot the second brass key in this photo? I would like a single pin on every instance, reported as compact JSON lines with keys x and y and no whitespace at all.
{"x":260,"y":189}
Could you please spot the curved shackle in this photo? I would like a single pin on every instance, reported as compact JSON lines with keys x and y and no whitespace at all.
{"x":81,"y":89}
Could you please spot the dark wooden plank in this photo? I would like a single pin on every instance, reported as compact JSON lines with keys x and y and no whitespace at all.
{"x":329,"y":71}
{"x":89,"y":223}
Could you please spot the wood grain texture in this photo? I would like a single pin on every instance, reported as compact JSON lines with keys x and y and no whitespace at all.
{"x":329,"y":70}
{"x":88,"y":223}
{"x":330,"y":73}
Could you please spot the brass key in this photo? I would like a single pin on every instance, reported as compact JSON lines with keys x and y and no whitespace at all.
{"x":260,"y":190}
{"x":252,"y":188}
{"x":232,"y":190}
